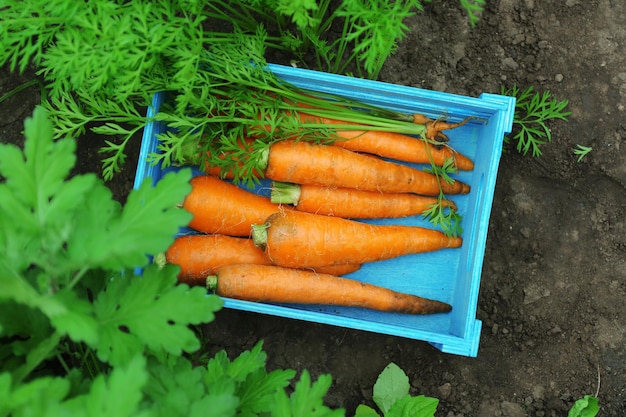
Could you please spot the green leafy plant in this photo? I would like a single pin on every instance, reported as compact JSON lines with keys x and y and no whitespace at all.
{"x":391,"y":396}
{"x":581,"y":151}
{"x":81,"y":333}
{"x":101,"y":62}
{"x":473,"y":9}
{"x":438,"y":214}
{"x":353,"y":36}
{"x":370,"y":34}
{"x":533,"y":111}
{"x":585,"y":407}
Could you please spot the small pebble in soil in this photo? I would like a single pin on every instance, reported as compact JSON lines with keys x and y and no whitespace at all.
{"x":445,"y":390}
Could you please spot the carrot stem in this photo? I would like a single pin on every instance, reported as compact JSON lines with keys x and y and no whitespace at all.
{"x":285,"y":193}
{"x":259,"y":235}
{"x":211,"y":283}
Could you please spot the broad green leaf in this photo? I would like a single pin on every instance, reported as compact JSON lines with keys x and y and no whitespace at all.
{"x":175,"y":386}
{"x":150,"y":220}
{"x":408,"y":406}
{"x":392,"y":384}
{"x":77,"y":321}
{"x":217,"y":367}
{"x":247,"y":362}
{"x":307,"y":399}
{"x":111,"y":237}
{"x":246,"y":376}
{"x":47,"y":162}
{"x":20,"y":320}
{"x":150,"y":312}
{"x":363,"y":410}
{"x":22,"y":328}
{"x":14,"y":287}
{"x":35,"y":201}
{"x":5,"y":392}
{"x":92,"y":242}
{"x":222,"y":405}
{"x":118,"y":394}
{"x":39,"y":397}
{"x":257,"y":392}
{"x":69,"y":314}
{"x":36,"y":355}
{"x":585,"y":407}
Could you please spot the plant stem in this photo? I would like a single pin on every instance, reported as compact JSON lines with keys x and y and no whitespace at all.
{"x":285,"y":193}
{"x":77,"y":277}
{"x":259,"y":235}
{"x":19,"y":88}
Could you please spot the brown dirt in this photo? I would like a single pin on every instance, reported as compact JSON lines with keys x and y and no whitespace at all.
{"x":554,"y":275}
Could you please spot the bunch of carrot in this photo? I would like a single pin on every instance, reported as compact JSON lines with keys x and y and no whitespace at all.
{"x":294,"y":246}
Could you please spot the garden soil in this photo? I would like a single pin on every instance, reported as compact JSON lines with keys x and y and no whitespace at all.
{"x":554,"y":276}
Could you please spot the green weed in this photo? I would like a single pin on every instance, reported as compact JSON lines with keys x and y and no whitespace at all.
{"x":533,"y":112}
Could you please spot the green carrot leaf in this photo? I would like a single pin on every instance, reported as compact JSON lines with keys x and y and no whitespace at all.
{"x":473,"y":9}
{"x":299,"y":11}
{"x":533,"y":111}
{"x":306,"y":399}
{"x":581,"y":151}
{"x":117,"y":394}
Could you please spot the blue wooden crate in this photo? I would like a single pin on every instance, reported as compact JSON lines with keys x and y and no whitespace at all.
{"x":450,"y":275}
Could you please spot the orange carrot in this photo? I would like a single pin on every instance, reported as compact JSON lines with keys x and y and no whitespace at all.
{"x":307,"y":163}
{"x":199,"y":256}
{"x":401,"y":147}
{"x":339,"y":269}
{"x":300,"y":240}
{"x":222,"y":207}
{"x":350,"y":203}
{"x":273,"y":284}
{"x":435,"y":128}
{"x":396,"y":145}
